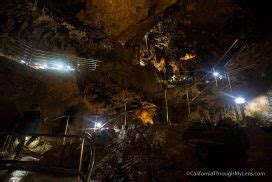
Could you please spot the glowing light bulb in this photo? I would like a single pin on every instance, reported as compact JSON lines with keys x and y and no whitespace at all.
{"x":98,"y":125}
{"x":240,"y":100}
{"x":216,"y":74}
{"x":59,"y":66}
{"x":44,"y":66}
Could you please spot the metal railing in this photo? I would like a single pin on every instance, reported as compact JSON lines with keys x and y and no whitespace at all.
{"x":22,"y":52}
{"x":36,"y":167}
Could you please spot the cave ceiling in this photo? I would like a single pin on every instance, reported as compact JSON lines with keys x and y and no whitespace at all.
{"x":90,"y":27}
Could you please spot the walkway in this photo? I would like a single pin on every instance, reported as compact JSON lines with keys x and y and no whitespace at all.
{"x":24,"y":53}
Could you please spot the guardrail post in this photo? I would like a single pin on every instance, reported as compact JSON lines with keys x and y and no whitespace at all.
{"x":81,"y":156}
{"x":125,"y":113}
{"x":66,"y":128}
{"x":188,"y":102}
{"x":166,"y":106}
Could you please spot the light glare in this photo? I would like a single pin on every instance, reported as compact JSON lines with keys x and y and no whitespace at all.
{"x":215,"y":74}
{"x":240,"y":100}
{"x":98,"y":125}
{"x":59,"y":66}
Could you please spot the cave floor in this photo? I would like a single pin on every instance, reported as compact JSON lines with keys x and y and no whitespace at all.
{"x":25,"y":176}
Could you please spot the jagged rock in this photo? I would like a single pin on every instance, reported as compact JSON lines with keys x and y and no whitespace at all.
{"x":142,"y":154}
{"x":110,"y":15}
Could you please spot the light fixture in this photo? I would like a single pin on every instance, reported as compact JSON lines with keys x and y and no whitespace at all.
{"x":142,"y":63}
{"x":240,"y":100}
{"x":59,"y":66}
{"x":23,"y":62}
{"x":216,"y":74}
{"x":98,"y":125}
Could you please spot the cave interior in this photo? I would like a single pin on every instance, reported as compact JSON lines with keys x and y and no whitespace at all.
{"x":135,"y":90}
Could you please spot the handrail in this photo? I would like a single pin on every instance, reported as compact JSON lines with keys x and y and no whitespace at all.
{"x":18,"y":50}
{"x":21,"y":165}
